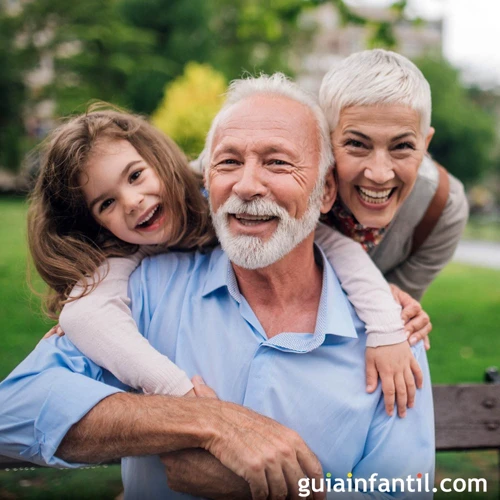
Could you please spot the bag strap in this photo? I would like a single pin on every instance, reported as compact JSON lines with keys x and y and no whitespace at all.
{"x":434,"y":210}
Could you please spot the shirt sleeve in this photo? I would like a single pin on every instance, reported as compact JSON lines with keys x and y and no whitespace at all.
{"x":100,"y":324}
{"x":52,"y":389}
{"x":417,"y":272}
{"x":399,"y":448}
{"x":366,"y":288}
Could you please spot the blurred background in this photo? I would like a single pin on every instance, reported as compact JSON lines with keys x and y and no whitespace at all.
{"x":171,"y":60}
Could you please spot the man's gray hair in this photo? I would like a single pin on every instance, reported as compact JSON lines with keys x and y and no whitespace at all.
{"x":375,"y":77}
{"x":275,"y":85}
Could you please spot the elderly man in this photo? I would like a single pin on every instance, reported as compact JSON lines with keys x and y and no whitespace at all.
{"x":263,"y":320}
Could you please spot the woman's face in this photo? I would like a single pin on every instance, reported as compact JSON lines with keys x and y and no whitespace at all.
{"x":378,"y":150}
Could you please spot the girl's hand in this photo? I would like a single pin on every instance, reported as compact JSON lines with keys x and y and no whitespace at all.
{"x":200,"y":390}
{"x":55,"y":330}
{"x":399,"y":372}
{"x":416,"y":320}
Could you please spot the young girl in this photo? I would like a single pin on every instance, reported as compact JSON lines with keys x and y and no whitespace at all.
{"x":110,"y":184}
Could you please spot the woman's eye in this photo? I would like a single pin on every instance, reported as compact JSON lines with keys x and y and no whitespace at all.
{"x":355,"y":144}
{"x":135,"y":175}
{"x":106,"y":204}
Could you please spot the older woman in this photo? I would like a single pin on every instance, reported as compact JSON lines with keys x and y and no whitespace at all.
{"x":407,"y":212}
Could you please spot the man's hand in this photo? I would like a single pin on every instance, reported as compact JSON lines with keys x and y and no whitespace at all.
{"x":417,"y":321}
{"x":282,"y":467}
{"x":398,"y":370}
{"x":199,"y":473}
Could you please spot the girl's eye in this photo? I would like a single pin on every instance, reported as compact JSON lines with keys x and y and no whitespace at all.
{"x":405,"y":145}
{"x":135,"y":175}
{"x":106,"y":204}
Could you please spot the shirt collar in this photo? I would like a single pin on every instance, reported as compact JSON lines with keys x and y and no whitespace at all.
{"x":335,"y":313}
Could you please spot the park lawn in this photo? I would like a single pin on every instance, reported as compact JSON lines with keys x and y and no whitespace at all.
{"x":463,"y":303}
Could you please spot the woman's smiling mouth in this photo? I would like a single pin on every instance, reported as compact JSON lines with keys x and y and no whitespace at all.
{"x":376,"y":197}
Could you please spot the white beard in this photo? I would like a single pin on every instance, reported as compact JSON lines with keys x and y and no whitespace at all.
{"x":250,"y":252}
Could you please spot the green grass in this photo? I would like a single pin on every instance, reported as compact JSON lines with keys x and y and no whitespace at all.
{"x":463,"y":303}
{"x":479,"y":228}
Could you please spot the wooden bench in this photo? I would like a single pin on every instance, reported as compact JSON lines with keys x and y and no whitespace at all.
{"x":467,"y":417}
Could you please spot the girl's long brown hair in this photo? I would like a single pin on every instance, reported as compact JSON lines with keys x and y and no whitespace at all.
{"x":66,"y":243}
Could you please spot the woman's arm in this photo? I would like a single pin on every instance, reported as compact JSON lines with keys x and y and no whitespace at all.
{"x":100,"y":325}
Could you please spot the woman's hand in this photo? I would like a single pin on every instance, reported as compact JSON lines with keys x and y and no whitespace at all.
{"x":417,"y":321}
{"x":399,"y":373}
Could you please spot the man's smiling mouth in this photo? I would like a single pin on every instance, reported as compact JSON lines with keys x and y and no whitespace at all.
{"x":252,"y":220}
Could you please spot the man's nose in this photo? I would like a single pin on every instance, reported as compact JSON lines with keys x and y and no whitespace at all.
{"x":250,"y":184}
{"x":379,"y":168}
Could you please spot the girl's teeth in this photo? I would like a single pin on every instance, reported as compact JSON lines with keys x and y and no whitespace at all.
{"x":149,"y":216}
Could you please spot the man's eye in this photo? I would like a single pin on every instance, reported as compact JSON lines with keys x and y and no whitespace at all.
{"x":278,"y":162}
{"x":405,"y":145}
{"x":134,"y":176}
{"x":106,"y":204}
{"x":354,"y":144}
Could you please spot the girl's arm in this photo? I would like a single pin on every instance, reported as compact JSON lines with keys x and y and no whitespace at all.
{"x":388,"y":354}
{"x":100,"y":325}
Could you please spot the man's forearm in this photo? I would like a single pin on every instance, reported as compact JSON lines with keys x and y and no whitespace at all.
{"x":130,"y":424}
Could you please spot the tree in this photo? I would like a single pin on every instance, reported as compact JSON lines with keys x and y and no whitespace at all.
{"x":465,"y":133}
{"x":95,"y":51}
{"x":190,"y":103}
{"x":14,"y":61}
{"x":180,"y":33}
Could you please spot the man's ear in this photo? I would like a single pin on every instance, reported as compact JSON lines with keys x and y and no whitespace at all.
{"x":329,"y":191}
{"x":429,"y":137}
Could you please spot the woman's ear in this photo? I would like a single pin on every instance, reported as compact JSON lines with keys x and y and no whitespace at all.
{"x":329,"y":191}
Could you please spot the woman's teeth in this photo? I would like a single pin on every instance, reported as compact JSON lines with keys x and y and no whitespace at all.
{"x":377,"y":197}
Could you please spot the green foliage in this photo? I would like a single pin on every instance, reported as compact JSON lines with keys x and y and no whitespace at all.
{"x":14,"y":60}
{"x":94,"y":49}
{"x":380,"y":32}
{"x":180,"y":34}
{"x":465,"y":133}
{"x":190,"y":103}
{"x":254,"y":36}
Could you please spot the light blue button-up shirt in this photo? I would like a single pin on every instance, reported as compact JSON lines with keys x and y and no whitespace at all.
{"x":189,"y":307}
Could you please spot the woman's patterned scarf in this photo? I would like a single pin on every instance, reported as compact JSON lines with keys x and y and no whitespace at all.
{"x":342,"y":218}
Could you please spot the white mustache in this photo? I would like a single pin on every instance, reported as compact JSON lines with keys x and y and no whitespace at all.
{"x":259,"y":207}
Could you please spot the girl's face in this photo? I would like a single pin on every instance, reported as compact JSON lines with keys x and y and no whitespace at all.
{"x":378,"y":150}
{"x":123,"y":193}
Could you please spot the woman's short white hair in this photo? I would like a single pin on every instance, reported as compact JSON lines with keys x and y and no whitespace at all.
{"x":375,"y":77}
{"x":279,"y":85}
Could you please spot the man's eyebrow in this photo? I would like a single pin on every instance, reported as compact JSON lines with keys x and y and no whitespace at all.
{"x":403,"y":135}
{"x":123,"y":174}
{"x":226,"y":149}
